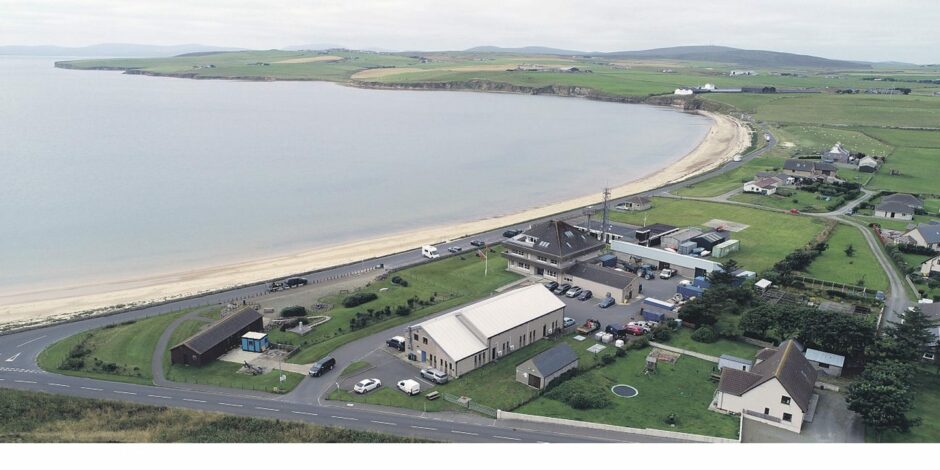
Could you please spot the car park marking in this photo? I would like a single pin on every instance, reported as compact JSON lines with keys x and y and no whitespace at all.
{"x":467,"y":433}
{"x":92,"y":389}
{"x":122,"y":392}
{"x":384,"y":422}
{"x":30,"y":341}
{"x":422,"y":427}
{"x":160,"y":396}
{"x":507,"y":438}
{"x":58,"y":385}
{"x":13,"y":357}
{"x":265,"y":409}
{"x":346,"y":418}
{"x":304,"y":413}
{"x":194,"y":400}
{"x":24,"y":381}
{"x":236,"y":405}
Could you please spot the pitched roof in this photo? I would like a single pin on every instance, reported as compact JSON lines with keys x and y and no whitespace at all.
{"x":737,"y":382}
{"x":557,"y":238}
{"x":824,"y":357}
{"x":553,"y":360}
{"x":930,"y":231}
{"x":626,"y":231}
{"x":793,"y":164}
{"x":639,"y":200}
{"x":892,"y":206}
{"x":605,"y":276}
{"x":906,"y":199}
{"x":221,"y":330}
{"x":786,"y":364}
{"x":823,"y":166}
{"x":868,"y":161}
{"x":711,"y":237}
{"x":763,"y":354}
{"x":766,"y":182}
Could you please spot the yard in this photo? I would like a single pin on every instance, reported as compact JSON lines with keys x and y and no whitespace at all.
{"x":861,"y":269}
{"x":683,"y":339}
{"x":225,"y":374}
{"x":801,"y":200}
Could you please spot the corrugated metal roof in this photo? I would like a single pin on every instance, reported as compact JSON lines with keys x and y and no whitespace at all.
{"x":816,"y":355}
{"x":221,"y":330}
{"x":665,"y":256}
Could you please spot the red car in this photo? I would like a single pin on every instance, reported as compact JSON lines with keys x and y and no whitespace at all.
{"x":635,"y":330}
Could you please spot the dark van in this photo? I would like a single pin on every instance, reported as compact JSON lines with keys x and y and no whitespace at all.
{"x":296,"y":281}
{"x":322,"y":366}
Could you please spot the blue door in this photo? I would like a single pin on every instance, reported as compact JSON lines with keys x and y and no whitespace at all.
{"x":424,"y":356}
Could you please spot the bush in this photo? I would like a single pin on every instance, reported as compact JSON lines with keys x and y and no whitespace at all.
{"x":581,"y":395}
{"x":295,"y":311}
{"x":621,"y":352}
{"x":705,"y":334}
{"x":639,"y":344}
{"x":359,"y":299}
{"x":402,"y":310}
{"x":73,"y":363}
{"x":398,"y":280}
{"x":607,"y":359}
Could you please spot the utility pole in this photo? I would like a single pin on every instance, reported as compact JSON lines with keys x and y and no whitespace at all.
{"x":606,"y":218}
{"x":588,"y":211}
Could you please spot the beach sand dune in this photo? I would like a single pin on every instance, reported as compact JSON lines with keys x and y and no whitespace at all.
{"x":726,"y":138}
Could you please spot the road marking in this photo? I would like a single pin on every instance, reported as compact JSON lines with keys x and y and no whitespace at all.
{"x":160,"y":396}
{"x":508,"y":438}
{"x":30,"y":341}
{"x":1,"y":380}
{"x":265,"y":409}
{"x":467,"y":433}
{"x":122,"y":392}
{"x":385,"y":423}
{"x":194,"y":400}
{"x":422,"y":427}
{"x":236,"y":405}
{"x":58,"y":385}
{"x":92,"y":388}
{"x":304,"y":413}
{"x":13,"y":357}
{"x":24,"y":381}
{"x":343,"y":417}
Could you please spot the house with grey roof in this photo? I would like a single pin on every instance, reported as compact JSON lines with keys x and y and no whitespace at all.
{"x":894,"y":210}
{"x":931,"y":267}
{"x":867,"y":165}
{"x":837,"y":154}
{"x":635,"y":203}
{"x":547,"y":366}
{"x":808,"y":168}
{"x":601,"y":281}
{"x":909,"y":200}
{"x":549,"y":249}
{"x":765,"y":186}
{"x":777,"y":390}
{"x":926,"y":235}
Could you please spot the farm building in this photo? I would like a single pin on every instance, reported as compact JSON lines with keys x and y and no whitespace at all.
{"x":926,"y":235}
{"x":837,"y":154}
{"x":727,"y":360}
{"x":909,"y":200}
{"x":777,"y":390}
{"x":726,"y":248}
{"x":765,"y":186}
{"x":549,"y":249}
{"x":686,"y":266}
{"x":894,"y":210}
{"x":635,"y":203}
{"x":474,"y":335}
{"x":867,"y":165}
{"x":709,"y":240}
{"x":621,"y":285}
{"x":827,"y":363}
{"x":808,"y":168}
{"x":255,"y":341}
{"x":539,"y":371}
{"x":223,"y":335}
{"x":673,"y":240}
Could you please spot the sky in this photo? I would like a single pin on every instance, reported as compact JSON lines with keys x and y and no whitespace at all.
{"x":901,"y":30}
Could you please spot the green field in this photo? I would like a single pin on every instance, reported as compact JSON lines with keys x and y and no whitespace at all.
{"x":770,"y":237}
{"x":800,"y":200}
{"x":683,"y":339}
{"x":861,"y":269}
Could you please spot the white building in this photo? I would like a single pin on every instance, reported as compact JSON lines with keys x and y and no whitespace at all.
{"x":686,"y":266}
{"x":826,"y":362}
{"x":683,"y":92}
{"x":930,"y":267}
{"x":765,"y":186}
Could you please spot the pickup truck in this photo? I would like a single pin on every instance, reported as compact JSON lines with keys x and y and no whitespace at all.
{"x":589,"y":327}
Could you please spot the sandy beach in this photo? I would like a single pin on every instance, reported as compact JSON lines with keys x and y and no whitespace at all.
{"x":726,"y":138}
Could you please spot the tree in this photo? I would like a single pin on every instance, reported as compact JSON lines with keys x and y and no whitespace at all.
{"x":836,"y":332}
{"x":725,"y":275}
{"x":883,"y":397}
{"x":850,"y":251}
{"x":757,"y":321}
{"x":907,"y":339}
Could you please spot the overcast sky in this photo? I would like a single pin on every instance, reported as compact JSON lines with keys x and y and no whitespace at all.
{"x":904,"y":30}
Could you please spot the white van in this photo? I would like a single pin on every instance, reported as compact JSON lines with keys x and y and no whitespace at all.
{"x":429,"y":251}
{"x":411,"y":387}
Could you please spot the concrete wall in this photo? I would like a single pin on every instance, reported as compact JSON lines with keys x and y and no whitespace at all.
{"x":832,"y":371}
{"x":678,"y":436}
{"x":766,"y":396}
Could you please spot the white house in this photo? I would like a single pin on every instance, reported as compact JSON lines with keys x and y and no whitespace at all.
{"x":927,"y":235}
{"x":930,"y":267}
{"x":765,"y":186}
{"x":894,"y":210}
{"x":778,"y":390}
{"x":683,"y":91}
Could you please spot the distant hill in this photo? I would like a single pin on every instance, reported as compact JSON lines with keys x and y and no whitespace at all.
{"x":313,"y":47}
{"x":728,"y":55}
{"x":114,"y":50}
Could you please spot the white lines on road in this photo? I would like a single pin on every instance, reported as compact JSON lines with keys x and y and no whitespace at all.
{"x":507,"y":438}
{"x":384,"y":422}
{"x":122,"y":392}
{"x":160,"y":396}
{"x":13,"y":357}
{"x":30,"y":341}
{"x":16,"y":369}
{"x":24,"y":381}
{"x":194,"y":400}
{"x":58,"y":385}
{"x":344,"y":417}
{"x":236,"y":405}
{"x":422,"y":427}
{"x":467,"y":433}
{"x":1,"y":380}
{"x":266,"y":409}
{"x":92,"y":389}
{"x":304,"y":413}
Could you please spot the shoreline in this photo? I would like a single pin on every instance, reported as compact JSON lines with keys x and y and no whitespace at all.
{"x":726,"y":137}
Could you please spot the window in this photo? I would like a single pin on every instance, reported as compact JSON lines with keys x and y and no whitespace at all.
{"x":766,"y":411}
{"x":424,"y":340}
{"x":928,"y":356}
{"x":416,"y":336}
{"x":823,"y":366}
{"x":542,"y":258}
{"x":787,"y":417}
{"x":785,"y":400}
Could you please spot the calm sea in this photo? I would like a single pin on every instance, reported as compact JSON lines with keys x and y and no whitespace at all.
{"x":104,"y":174}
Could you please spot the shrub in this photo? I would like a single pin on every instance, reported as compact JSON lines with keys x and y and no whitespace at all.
{"x":607,"y":359}
{"x":402,"y":310}
{"x":73,"y":363}
{"x":639,"y":344}
{"x":621,"y":352}
{"x":581,"y":395}
{"x":359,"y":298}
{"x":294,"y":311}
{"x":705,"y":335}
{"x":400,"y":281}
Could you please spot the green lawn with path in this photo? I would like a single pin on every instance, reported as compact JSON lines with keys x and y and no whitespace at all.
{"x":225,"y":374}
{"x":683,"y":339}
{"x":862,"y":268}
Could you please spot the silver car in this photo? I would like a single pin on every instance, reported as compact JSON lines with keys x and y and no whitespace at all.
{"x":434,"y":375}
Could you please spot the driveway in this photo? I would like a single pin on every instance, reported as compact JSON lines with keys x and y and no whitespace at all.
{"x":833,"y":423}
{"x":386,"y":367}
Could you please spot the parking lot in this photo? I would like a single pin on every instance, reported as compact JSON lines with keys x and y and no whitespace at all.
{"x":388,"y":368}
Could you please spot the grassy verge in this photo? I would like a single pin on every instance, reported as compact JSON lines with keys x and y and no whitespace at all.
{"x":862,"y":268}
{"x":683,"y":339}
{"x":354,"y":367}
{"x":41,"y":417}
{"x":225,"y":374}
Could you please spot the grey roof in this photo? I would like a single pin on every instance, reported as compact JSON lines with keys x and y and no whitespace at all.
{"x":868,"y":161}
{"x":730,"y":358}
{"x":787,"y":364}
{"x":930,"y":231}
{"x":551,"y":361}
{"x":823,"y":166}
{"x":556,"y":238}
{"x":656,"y":229}
{"x":686,"y":234}
{"x":906,"y":199}
{"x":625,"y":231}
{"x":221,"y":330}
{"x":798,"y":165}
{"x":712,"y":237}
{"x":891,"y":206}
{"x":600,"y":275}
{"x":824,"y":357}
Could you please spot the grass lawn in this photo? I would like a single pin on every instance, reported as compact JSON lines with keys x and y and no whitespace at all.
{"x":354,"y":367}
{"x":453,"y":281}
{"x":917,"y":167}
{"x":770,"y":237}
{"x":224,"y":374}
{"x":683,"y":339}
{"x":861,"y":269}
{"x":926,"y":406}
{"x":129,"y":346}
{"x":802,"y":200}
{"x":683,"y":388}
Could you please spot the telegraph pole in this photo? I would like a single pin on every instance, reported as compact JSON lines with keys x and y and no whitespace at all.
{"x":606,"y":218}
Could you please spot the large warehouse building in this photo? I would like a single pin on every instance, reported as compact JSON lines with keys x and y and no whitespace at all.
{"x":686,"y":266}
{"x":471,"y":336}
{"x":207,"y":345}
{"x":601,"y":281}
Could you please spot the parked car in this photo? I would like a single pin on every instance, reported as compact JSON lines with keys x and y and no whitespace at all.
{"x":636,"y":330}
{"x":607,"y":302}
{"x":367,"y":385}
{"x":434,"y":375}
{"x":562,"y":289}
{"x":295,"y":281}
{"x":322,"y":366}
{"x":585,"y":294}
{"x":511,"y":233}
{"x":589,"y":327}
{"x":666,"y":273}
{"x":478,"y":243}
{"x":619,"y":331}
{"x":455,"y":249}
{"x":551,"y":286}
{"x":409,"y":386}
{"x":573,"y":292}
{"x":568,"y":322}
{"x":397,"y":342}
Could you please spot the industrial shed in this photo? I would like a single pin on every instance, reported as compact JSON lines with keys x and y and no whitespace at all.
{"x":539,"y":371}
{"x":601,"y":281}
{"x":207,"y":345}
{"x":686,"y":266}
